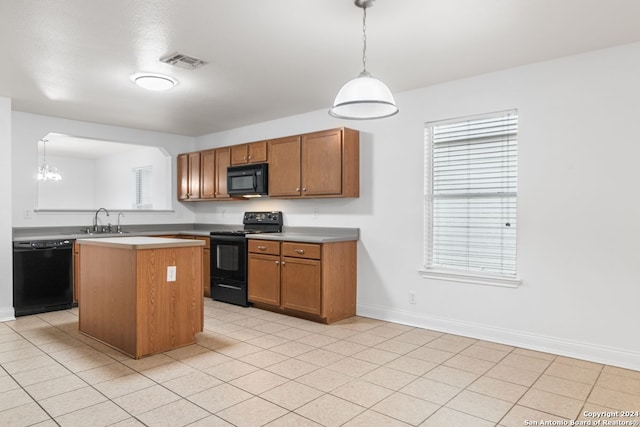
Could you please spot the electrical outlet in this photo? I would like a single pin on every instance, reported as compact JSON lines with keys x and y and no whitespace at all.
{"x":412,"y":297}
{"x":27,"y":214}
{"x":171,"y":273}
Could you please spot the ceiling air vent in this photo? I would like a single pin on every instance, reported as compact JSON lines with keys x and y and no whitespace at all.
{"x":183,"y":61}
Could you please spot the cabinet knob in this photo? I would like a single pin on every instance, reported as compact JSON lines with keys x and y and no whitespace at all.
{"x":283,"y":263}
{"x":300,"y":251}
{"x":262,"y":248}
{"x":297,"y":188}
{"x":277,"y":262}
{"x":304,"y":188}
{"x":244,"y":158}
{"x":249,"y":157}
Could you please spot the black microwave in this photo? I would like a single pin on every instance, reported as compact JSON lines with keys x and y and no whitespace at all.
{"x":248,"y":180}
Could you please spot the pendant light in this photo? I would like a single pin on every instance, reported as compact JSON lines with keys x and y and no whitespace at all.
{"x":364,"y":97}
{"x":45,"y":171}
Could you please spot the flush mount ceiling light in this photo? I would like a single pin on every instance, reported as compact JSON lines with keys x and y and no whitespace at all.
{"x":364,"y":97}
{"x":155,"y":82}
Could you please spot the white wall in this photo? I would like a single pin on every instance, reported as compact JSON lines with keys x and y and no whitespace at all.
{"x":578,"y":210}
{"x":108,"y":181}
{"x":77,"y":178}
{"x":28,"y":128}
{"x":6,"y":263}
{"x":115,"y":184}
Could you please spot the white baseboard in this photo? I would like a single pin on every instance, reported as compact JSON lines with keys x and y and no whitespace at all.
{"x":579,"y":350}
{"x":6,"y":314}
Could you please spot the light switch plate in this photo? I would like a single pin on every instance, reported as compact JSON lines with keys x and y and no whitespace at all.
{"x":171,"y":273}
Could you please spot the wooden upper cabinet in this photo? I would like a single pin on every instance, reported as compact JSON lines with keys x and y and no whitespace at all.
{"x":202,"y":175}
{"x":189,"y":176}
{"x":208,"y":174}
{"x":322,"y":163}
{"x":183,"y":176}
{"x":223,"y":158}
{"x":318,"y":164}
{"x":255,"y":152}
{"x":284,"y":167}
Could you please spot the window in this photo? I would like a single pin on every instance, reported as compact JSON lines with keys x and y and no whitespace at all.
{"x":471,"y":171}
{"x":143,"y":187}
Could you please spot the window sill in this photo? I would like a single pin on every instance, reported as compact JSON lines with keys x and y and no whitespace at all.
{"x":469,"y":278}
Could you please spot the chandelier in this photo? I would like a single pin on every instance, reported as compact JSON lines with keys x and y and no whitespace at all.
{"x":47,"y":172}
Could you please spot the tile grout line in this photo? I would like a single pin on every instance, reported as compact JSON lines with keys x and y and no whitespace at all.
{"x":72,"y":373}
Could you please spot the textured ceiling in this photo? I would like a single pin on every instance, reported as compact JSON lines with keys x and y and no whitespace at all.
{"x":275,"y":58}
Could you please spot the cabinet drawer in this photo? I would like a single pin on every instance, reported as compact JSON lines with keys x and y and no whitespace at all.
{"x":264,"y":247}
{"x":301,"y":250}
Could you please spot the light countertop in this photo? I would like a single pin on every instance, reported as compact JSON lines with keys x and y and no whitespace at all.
{"x":309,"y":235}
{"x":293,"y":234}
{"x":140,"y":242}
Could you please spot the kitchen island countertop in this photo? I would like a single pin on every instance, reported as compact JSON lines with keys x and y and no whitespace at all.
{"x":140,"y":242}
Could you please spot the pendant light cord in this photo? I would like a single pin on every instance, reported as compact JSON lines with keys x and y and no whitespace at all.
{"x":364,"y":39}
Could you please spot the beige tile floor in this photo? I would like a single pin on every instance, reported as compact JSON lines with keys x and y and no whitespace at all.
{"x":252,"y":368}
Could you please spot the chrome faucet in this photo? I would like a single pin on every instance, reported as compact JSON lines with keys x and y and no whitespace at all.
{"x":95,"y":219}
{"x":118,"y":227}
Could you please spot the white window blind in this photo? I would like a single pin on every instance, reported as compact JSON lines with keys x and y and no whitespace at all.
{"x":143,"y":187}
{"x":471,"y":178}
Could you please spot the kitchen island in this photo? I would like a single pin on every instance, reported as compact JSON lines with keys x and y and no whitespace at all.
{"x":141,"y":295}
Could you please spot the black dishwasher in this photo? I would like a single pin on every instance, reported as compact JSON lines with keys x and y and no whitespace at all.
{"x":42,"y":276}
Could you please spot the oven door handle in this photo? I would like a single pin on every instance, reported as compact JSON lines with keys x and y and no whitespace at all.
{"x":237,"y":288}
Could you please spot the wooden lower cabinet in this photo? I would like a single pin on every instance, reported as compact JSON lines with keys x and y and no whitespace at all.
{"x":309,"y":280}
{"x":265,"y":279}
{"x":301,"y":285}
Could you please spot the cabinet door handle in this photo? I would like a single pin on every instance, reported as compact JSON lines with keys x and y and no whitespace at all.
{"x":262,"y":248}
{"x":299,"y":251}
{"x":304,"y":188}
{"x":283,"y":263}
{"x":297,"y":188}
{"x":277,"y":262}
{"x":249,"y":157}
